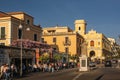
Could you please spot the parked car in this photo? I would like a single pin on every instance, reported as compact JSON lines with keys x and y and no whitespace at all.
{"x":114,"y":61}
{"x":108,"y":63}
{"x":92,"y":64}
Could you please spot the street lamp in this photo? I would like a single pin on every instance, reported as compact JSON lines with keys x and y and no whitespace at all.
{"x":21,"y":47}
{"x":20,"y":27}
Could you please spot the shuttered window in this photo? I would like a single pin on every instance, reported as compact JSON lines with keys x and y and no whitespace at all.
{"x":2,"y":32}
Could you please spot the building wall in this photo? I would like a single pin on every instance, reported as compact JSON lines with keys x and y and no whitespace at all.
{"x":97,"y":45}
{"x":5,"y":22}
{"x":72,"y":44}
{"x":100,"y":48}
{"x":106,"y":46}
{"x":101,"y":45}
{"x":11,"y":24}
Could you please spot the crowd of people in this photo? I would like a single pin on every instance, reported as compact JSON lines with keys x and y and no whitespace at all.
{"x":12,"y":71}
{"x":51,"y":67}
{"x":7,"y":71}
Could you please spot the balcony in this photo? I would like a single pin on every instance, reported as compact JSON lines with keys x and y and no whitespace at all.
{"x":67,"y":43}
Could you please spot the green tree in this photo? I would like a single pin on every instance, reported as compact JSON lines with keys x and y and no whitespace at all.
{"x":74,"y":57}
{"x":57,"y":57}
{"x":44,"y":58}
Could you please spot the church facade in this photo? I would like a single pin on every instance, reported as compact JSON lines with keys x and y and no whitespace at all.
{"x":97,"y":44}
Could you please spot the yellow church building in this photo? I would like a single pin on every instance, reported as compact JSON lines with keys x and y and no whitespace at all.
{"x":97,"y":44}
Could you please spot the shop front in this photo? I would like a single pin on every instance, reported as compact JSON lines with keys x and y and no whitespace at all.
{"x":11,"y":55}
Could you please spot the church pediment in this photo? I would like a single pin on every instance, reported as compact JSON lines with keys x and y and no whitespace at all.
{"x":92,"y":32}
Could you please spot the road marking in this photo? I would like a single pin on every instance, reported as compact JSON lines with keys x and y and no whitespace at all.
{"x":77,"y":76}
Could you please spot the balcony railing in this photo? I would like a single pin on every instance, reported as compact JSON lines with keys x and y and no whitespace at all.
{"x":58,"y":33}
{"x":67,"y":43}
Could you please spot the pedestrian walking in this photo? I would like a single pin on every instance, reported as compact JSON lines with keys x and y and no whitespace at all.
{"x":1,"y":71}
{"x":13,"y":70}
{"x":35,"y":68}
{"x":6,"y":72}
{"x":53,"y":67}
{"x":49,"y":67}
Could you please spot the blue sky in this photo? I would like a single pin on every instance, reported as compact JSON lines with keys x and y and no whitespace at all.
{"x":101,"y":15}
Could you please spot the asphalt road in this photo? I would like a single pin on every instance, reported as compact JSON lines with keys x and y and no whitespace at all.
{"x":106,"y":73}
{"x":67,"y":74}
{"x":102,"y":73}
{"x":110,"y":74}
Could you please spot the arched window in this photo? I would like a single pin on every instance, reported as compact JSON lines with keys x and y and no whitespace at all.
{"x":91,"y":43}
{"x":92,"y":53}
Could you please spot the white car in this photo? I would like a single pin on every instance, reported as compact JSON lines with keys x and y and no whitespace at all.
{"x":92,"y":64}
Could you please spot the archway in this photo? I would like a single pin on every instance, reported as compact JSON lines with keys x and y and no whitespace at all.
{"x":92,"y":53}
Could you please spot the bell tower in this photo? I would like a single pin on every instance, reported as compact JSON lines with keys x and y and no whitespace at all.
{"x":80,"y":26}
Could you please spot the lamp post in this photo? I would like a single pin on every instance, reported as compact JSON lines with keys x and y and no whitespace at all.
{"x":21,"y":47}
